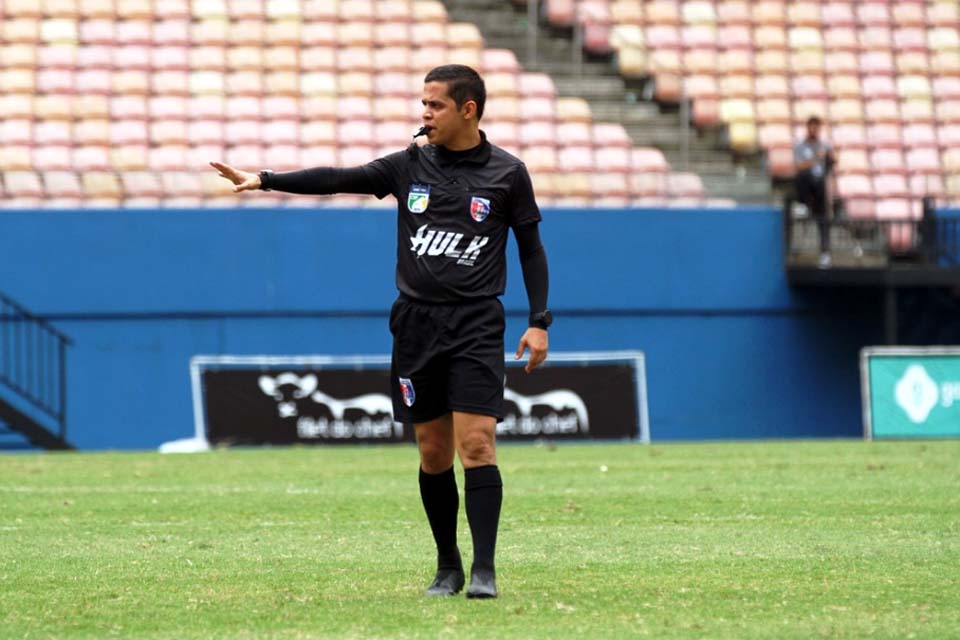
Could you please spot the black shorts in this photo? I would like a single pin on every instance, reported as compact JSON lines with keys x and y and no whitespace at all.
{"x":446,"y":357}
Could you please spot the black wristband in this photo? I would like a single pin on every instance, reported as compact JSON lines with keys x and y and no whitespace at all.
{"x":541,"y":320}
{"x":266,"y":177}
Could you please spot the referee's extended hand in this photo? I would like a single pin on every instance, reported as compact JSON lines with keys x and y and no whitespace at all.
{"x":536,"y":340}
{"x":242,"y":180}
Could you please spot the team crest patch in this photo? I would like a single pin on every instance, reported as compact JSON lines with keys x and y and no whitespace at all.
{"x":479,"y":208}
{"x":418,"y":198}
{"x":406,"y":389}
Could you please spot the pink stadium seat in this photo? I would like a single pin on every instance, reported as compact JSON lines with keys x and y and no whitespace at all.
{"x":97,"y":31}
{"x":569,"y":134}
{"x":59,"y":56}
{"x":394,"y":134}
{"x":699,"y":36}
{"x":539,"y":133}
{"x":684,"y":185}
{"x":648,"y":160}
{"x":168,"y":57}
{"x":946,"y":88}
{"x":165,"y":83}
{"x":737,"y":60}
{"x":576,"y":158}
{"x":841,"y":38}
{"x":539,"y":109}
{"x":854,"y":186}
{"x":245,"y":155}
{"x":561,"y":13}
{"x":877,"y":87}
{"x":882,"y":110}
{"x":52,"y":132}
{"x":780,"y":162}
{"x":769,"y":12}
{"x":612,"y":159}
{"x":167,"y":158}
{"x":849,"y":136}
{"x":662,"y":36}
{"x":171,"y":32}
{"x":648,"y":185}
{"x":807,"y":87}
{"x":355,"y":155}
{"x":909,"y":14}
{"x":610,"y":135}
{"x":886,"y":135}
{"x":896,"y":208}
{"x":774,"y":135}
{"x":392,"y":59}
{"x":506,"y":133}
{"x":701,"y":86}
{"x":888,"y":161}
{"x":918,"y":111}
{"x":772,"y":86}
{"x":948,"y":111}
{"x":733,"y":12}
{"x":877,"y":62}
{"x":62,"y":184}
{"x":924,"y":160}
{"x":427,"y":35}
{"x":919,"y":135}
{"x":772,"y":110}
{"x":770,"y":37}
{"x":275,"y":131}
{"x":853,"y":160}
{"x":890,"y":185}
{"x":91,"y":132}
{"x":124,"y":132}
{"x":283,"y":157}
{"x":391,"y":34}
{"x":538,"y":85}
{"x":50,"y":158}
{"x":927,"y":185}
{"x":90,"y":158}
{"x":609,"y":190}
{"x":875,"y":37}
{"x":23,"y":184}
{"x":948,"y":136}
{"x":503,"y":60}
{"x":873,"y":14}
{"x":541,"y":158}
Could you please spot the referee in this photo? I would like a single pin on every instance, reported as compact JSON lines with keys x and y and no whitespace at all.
{"x":457,"y":197}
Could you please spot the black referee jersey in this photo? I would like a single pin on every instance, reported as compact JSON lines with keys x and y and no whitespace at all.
{"x":453,"y":215}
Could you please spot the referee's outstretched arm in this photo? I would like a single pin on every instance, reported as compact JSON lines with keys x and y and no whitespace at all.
{"x":318,"y":181}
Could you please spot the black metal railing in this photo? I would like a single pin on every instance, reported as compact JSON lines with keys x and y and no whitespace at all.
{"x":929,"y":240}
{"x":33,"y":361}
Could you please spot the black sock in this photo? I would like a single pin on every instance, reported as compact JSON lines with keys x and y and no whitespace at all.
{"x":442,"y":502}
{"x":484,"y":493}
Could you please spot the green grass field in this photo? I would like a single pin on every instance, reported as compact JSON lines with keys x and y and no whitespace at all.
{"x":772,"y":540}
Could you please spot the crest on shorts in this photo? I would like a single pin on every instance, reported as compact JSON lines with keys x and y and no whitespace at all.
{"x":479,"y":208}
{"x":418,"y":198}
{"x":406,"y":389}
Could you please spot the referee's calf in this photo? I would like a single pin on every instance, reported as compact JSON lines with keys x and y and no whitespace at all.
{"x":457,"y":197}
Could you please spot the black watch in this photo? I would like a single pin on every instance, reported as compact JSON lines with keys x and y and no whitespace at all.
{"x":541,"y":320}
{"x":266,"y":176}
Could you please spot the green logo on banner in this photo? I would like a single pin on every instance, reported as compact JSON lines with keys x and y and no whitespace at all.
{"x":913,"y":394}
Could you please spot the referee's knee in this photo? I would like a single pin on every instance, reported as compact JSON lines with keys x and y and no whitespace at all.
{"x":477,"y":449}
{"x":435,"y":457}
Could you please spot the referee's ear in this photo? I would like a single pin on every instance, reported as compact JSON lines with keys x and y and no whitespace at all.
{"x":469,"y":110}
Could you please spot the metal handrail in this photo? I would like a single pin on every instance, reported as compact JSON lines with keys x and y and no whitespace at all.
{"x":33,"y":360}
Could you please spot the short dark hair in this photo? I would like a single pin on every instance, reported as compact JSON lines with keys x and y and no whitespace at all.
{"x":463,"y":84}
{"x":814,"y":120}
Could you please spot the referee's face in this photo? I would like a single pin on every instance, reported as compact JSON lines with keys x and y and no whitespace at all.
{"x":440,"y":113}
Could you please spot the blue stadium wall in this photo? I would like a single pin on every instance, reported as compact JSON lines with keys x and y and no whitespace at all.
{"x":731,"y":351}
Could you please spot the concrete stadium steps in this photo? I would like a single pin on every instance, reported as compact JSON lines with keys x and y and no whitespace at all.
{"x":614,"y":99}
